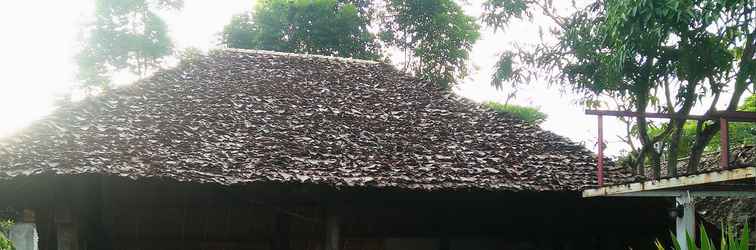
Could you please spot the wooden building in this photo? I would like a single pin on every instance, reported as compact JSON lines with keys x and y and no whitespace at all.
{"x":260,"y":150}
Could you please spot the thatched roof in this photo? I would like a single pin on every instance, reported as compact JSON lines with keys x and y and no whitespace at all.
{"x":236,"y":117}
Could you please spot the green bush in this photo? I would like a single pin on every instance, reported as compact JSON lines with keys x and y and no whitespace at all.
{"x":5,"y":243}
{"x":730,"y":240}
{"x":528,"y":114}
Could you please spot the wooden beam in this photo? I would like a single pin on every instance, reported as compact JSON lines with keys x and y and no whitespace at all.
{"x":647,"y":115}
{"x":738,"y":116}
{"x":682,"y":182}
{"x":735,"y":116}
{"x":190,"y":244}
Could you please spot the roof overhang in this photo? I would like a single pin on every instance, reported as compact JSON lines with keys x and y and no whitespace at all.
{"x":737,"y":182}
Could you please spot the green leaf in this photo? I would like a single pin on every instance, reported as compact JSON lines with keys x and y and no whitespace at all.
{"x":658,"y":245}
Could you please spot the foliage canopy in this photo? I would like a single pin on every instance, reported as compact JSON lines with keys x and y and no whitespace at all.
{"x":125,"y":34}
{"x":323,"y":27}
{"x":434,"y":36}
{"x":5,"y":243}
{"x":646,"y":55}
{"x":741,"y":133}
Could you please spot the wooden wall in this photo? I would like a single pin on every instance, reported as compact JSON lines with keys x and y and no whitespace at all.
{"x":82,"y":213}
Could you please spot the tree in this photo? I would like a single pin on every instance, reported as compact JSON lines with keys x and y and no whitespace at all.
{"x":648,"y":54}
{"x":435,"y":36}
{"x":125,"y":34}
{"x":323,"y":27}
{"x":741,"y":133}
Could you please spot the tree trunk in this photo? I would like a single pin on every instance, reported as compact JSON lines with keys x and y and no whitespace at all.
{"x":678,"y":124}
{"x":641,"y":162}
{"x":656,"y":162}
{"x":647,"y":144}
{"x":702,"y":139}
{"x":674,"y":146}
{"x":746,"y":69}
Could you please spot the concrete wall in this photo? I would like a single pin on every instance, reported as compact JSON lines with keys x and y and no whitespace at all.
{"x":24,"y":236}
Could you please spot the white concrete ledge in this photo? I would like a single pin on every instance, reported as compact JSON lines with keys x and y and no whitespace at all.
{"x":679,"y":183}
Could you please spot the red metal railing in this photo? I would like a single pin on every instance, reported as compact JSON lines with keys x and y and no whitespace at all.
{"x":724,"y":118}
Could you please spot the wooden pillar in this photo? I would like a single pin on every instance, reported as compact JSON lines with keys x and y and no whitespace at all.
{"x":444,"y":243}
{"x":97,"y":233}
{"x":67,"y":229}
{"x":281,"y":239}
{"x":332,"y":232}
{"x":46,"y":229}
{"x":65,"y":220}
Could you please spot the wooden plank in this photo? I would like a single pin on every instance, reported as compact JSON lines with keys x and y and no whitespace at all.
{"x":67,"y":230}
{"x":333,"y":232}
{"x":99,"y":225}
{"x":46,"y":228}
{"x":190,"y":244}
{"x":675,"y":183}
{"x":741,"y":116}
{"x":106,"y":212}
{"x":281,"y":232}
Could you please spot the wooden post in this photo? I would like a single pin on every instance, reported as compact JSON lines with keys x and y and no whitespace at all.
{"x":724,"y":143}
{"x":444,"y":243}
{"x":65,"y":220}
{"x":67,"y":230}
{"x":333,"y":232}
{"x":47,"y":229}
{"x":99,"y":225}
{"x":281,"y":232}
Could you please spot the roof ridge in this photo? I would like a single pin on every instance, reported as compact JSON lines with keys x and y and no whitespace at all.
{"x":270,"y":52}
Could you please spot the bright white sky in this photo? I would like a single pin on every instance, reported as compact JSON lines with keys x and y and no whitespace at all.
{"x":40,"y":39}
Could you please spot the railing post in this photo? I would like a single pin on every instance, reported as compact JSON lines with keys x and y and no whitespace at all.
{"x":724,"y":143}
{"x":600,"y":165}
